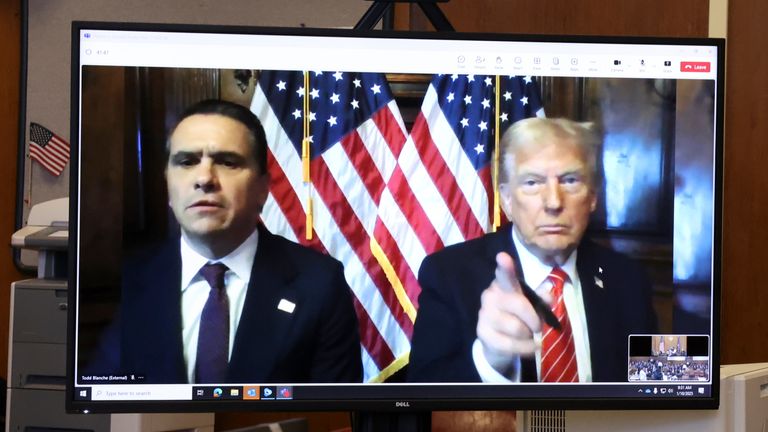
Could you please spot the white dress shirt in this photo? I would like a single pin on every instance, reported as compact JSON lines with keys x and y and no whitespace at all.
{"x":195,"y":290}
{"x":536,"y":274}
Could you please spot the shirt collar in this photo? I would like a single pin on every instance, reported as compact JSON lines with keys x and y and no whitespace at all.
{"x":534,"y":270}
{"x":239,"y":261}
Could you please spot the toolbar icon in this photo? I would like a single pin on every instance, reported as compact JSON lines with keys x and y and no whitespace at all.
{"x":251,"y":393}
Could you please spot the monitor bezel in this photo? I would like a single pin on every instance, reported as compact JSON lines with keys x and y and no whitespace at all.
{"x":404,"y":404}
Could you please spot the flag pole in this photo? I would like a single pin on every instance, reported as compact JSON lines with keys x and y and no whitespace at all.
{"x":497,"y":139}
{"x":305,"y":161}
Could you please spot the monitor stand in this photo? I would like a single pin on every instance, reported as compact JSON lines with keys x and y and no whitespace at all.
{"x":367,"y":421}
{"x":380,"y":8}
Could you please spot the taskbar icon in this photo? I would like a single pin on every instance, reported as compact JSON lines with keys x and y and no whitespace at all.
{"x":217,"y":393}
{"x":284,"y":393}
{"x":83,"y":393}
{"x":247,"y":392}
{"x":251,"y":393}
{"x":276,"y":393}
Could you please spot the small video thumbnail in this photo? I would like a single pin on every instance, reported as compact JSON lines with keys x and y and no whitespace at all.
{"x":684,"y":358}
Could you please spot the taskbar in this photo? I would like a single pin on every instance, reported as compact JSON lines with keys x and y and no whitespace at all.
{"x":261,"y":392}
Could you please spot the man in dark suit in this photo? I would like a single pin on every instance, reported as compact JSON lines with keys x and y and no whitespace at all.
{"x":228,"y":302}
{"x":484,"y":303}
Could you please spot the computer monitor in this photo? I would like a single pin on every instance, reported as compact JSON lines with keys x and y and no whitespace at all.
{"x":381,"y":150}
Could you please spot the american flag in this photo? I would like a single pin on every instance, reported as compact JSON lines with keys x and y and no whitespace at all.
{"x":443,"y":192}
{"x":380,"y":199}
{"x":50,"y":150}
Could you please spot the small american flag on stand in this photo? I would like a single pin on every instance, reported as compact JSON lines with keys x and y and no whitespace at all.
{"x":47,"y":148}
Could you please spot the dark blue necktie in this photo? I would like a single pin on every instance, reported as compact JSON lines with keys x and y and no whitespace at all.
{"x":213,"y":339}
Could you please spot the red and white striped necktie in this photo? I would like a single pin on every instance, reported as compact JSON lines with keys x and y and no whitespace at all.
{"x":558,"y":351}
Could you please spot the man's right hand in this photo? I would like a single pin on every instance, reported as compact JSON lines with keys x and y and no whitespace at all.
{"x":507,"y":320}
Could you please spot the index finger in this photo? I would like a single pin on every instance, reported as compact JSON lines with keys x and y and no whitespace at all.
{"x":506,"y":273}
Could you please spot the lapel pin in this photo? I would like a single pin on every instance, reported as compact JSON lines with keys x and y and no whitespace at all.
{"x":286,"y":306}
{"x":598,"y":282}
{"x":600,"y":269}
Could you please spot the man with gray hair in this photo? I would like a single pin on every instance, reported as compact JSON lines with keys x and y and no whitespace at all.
{"x":534,"y":301}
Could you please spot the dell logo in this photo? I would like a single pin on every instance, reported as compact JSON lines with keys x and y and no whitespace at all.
{"x":402,"y":404}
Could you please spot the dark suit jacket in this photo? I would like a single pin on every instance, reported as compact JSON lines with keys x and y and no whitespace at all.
{"x":453,"y":279}
{"x":318,"y":342}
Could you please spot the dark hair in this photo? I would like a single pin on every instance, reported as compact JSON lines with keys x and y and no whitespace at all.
{"x":236,"y":112}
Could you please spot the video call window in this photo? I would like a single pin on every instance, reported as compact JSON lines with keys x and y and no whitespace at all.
{"x":633,"y":115}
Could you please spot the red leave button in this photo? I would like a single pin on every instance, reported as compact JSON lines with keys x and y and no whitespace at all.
{"x":694,"y":66}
